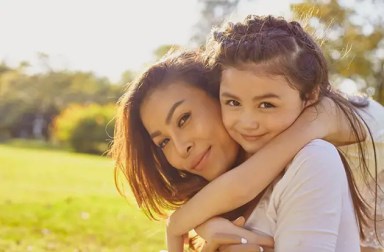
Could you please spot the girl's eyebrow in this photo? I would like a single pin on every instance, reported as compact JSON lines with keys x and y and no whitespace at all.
{"x":265,"y":96}
{"x":229,"y":95}
{"x":255,"y":98}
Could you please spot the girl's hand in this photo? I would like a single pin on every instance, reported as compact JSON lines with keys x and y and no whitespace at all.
{"x":320,"y":118}
{"x":224,"y":235}
{"x":226,"y":242}
{"x":209,"y":229}
{"x":230,"y":243}
{"x":325,"y":120}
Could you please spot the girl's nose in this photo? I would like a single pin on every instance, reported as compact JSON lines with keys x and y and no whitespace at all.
{"x":249,"y":121}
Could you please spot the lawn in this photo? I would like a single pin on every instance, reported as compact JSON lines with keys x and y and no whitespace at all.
{"x":52,"y":200}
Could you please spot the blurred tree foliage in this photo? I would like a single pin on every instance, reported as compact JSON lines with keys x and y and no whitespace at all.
{"x":213,"y":13}
{"x":126,"y":77}
{"x":352,"y":39}
{"x":28,"y":103}
{"x":163,"y":50}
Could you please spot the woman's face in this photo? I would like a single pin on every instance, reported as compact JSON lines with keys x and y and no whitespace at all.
{"x":185,"y":122}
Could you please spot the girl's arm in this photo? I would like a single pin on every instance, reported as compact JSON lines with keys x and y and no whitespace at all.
{"x":240,"y":185}
{"x":218,"y":225}
{"x":175,"y":243}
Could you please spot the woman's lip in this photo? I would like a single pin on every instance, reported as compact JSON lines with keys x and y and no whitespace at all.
{"x":200,"y":164}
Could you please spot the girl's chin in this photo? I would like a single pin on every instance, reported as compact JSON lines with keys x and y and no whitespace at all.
{"x":251,"y":149}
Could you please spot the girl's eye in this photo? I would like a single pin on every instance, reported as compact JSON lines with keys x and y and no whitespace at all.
{"x":163,"y":143}
{"x":183,"y":119}
{"x":266,"y":105}
{"x":232,"y":103}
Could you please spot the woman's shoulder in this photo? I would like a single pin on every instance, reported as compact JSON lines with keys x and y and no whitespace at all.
{"x":373,"y":116}
{"x":316,"y":164}
{"x":316,"y":147}
{"x":372,"y":109}
{"x":316,"y":157}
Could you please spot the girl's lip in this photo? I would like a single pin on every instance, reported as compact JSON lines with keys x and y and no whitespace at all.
{"x":252,"y":137}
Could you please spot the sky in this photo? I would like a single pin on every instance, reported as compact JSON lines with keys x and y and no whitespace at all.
{"x":106,"y":37}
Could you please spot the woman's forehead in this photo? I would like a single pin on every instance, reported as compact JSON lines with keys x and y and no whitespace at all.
{"x":172,"y":93}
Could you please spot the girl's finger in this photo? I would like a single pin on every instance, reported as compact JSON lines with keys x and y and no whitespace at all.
{"x":222,"y":239}
{"x":241,"y":248}
{"x":240,"y":221}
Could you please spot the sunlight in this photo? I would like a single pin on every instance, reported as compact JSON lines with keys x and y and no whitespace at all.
{"x":105,"y":37}
{"x":348,"y":87}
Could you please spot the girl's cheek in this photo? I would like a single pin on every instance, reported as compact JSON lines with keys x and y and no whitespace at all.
{"x":227,"y":121}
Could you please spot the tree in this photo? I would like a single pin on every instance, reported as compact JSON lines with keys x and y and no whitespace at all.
{"x":352,"y":41}
{"x":164,"y":49}
{"x":126,"y":77}
{"x":28,"y":103}
{"x":213,"y":13}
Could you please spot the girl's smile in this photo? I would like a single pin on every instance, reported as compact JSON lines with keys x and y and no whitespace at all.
{"x":256,"y":107}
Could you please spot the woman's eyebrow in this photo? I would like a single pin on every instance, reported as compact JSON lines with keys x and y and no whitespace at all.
{"x":172,"y":111}
{"x":155,"y":134}
{"x":168,"y":118}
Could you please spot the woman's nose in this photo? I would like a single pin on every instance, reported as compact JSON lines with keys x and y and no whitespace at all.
{"x":183,"y":147}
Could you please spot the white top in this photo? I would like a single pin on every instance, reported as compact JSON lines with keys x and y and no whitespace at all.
{"x":310,"y":207}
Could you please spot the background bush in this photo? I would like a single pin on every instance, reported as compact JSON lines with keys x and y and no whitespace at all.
{"x":85,"y":128}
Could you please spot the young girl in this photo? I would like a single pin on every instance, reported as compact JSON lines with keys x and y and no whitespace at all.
{"x":271,"y":71}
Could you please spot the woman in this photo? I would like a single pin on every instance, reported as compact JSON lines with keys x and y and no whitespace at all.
{"x":156,"y":184}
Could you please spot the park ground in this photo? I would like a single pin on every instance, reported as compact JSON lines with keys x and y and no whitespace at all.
{"x":55,"y":200}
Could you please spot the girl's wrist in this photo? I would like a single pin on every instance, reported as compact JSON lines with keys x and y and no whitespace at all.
{"x":309,"y":126}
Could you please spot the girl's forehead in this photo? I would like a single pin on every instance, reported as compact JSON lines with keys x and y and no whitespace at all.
{"x":268,"y":68}
{"x":249,"y":74}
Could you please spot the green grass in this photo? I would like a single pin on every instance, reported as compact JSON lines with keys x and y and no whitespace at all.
{"x":52,"y":200}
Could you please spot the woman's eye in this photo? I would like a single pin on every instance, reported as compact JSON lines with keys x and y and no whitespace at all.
{"x":232,"y":103}
{"x":163,"y":143}
{"x":183,"y":119}
{"x":266,"y":105}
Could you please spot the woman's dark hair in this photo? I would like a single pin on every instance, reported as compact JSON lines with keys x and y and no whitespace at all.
{"x":156,"y":185}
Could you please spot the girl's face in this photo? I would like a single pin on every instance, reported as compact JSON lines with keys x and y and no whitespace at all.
{"x":185,"y":122}
{"x":256,"y":107}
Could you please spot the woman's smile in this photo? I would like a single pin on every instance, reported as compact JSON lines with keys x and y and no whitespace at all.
{"x":197,"y":143}
{"x":201,"y":161}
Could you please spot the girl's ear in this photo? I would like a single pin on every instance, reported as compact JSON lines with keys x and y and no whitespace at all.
{"x":313,"y":97}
